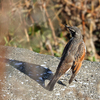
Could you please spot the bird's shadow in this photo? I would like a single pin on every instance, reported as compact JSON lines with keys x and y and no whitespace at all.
{"x":36,"y":72}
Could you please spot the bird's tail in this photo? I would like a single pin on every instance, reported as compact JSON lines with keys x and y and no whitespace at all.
{"x":51,"y":84}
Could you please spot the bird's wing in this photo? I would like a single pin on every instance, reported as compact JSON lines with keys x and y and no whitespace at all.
{"x":79,"y":57}
{"x":66,"y":61}
{"x":67,"y":47}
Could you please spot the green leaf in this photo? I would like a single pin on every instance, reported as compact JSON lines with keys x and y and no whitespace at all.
{"x":94,"y":59}
{"x":36,"y":50}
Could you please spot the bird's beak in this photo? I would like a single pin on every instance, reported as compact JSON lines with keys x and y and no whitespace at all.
{"x":67,"y":26}
{"x":70,"y":28}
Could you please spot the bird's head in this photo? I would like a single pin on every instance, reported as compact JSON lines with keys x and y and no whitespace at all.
{"x":75,"y":31}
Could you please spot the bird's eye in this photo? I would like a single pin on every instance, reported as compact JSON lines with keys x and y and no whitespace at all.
{"x":73,"y":31}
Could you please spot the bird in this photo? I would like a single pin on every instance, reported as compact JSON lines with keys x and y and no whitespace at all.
{"x":72,"y":57}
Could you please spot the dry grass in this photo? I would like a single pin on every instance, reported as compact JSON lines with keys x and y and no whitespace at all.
{"x":31,"y":25}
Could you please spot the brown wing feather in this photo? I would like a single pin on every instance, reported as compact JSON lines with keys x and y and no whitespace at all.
{"x":79,"y":57}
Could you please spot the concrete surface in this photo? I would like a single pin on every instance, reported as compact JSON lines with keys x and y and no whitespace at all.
{"x":27,"y":74}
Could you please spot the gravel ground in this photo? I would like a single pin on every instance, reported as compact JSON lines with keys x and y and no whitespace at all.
{"x":27,"y":74}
